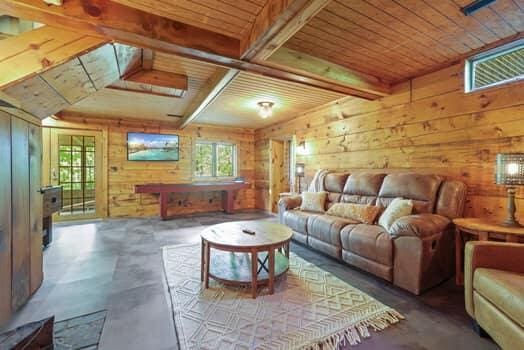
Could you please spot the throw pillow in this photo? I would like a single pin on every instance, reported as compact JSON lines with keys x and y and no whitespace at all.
{"x":396,"y":209}
{"x":360,"y":212}
{"x":313,"y":201}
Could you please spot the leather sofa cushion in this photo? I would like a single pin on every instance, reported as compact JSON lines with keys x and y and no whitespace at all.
{"x":334,"y":182}
{"x":451,"y":199}
{"x":369,"y":241}
{"x":420,"y":188}
{"x":362,"y":188}
{"x":332,"y":198}
{"x":297,"y":219}
{"x":504,"y":289}
{"x":326,"y":228}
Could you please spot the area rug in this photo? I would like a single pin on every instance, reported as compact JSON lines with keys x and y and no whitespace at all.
{"x":78,"y":333}
{"x":310,"y":309}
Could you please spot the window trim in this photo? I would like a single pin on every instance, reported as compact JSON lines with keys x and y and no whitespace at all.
{"x":469,"y":66}
{"x":214,"y":160}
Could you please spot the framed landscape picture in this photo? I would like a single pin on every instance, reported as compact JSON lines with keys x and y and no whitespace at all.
{"x":152,"y":147}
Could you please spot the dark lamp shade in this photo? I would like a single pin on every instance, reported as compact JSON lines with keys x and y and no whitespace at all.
{"x":300,"y":169}
{"x":509,"y":169}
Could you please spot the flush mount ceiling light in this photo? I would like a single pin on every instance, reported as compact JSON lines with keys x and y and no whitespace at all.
{"x":265,"y":109}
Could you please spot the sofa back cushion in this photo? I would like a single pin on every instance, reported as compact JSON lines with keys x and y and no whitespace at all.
{"x":334,"y":184}
{"x":420,"y":188}
{"x":362,"y":188}
{"x":451,"y":199}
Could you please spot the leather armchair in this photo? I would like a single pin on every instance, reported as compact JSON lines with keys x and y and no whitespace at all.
{"x":494,"y":290}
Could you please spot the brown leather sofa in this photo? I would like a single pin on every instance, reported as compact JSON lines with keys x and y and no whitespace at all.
{"x":494,"y":290}
{"x":417,"y":254}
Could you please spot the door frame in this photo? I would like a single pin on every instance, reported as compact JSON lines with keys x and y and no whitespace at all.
{"x":100,"y":170}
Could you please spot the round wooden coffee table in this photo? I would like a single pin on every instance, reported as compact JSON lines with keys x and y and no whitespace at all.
{"x":240,"y":258}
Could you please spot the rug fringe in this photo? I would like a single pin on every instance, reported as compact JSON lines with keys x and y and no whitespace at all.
{"x":354,"y":333}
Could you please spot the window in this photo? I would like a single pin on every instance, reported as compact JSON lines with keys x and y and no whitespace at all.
{"x":76,"y":173}
{"x":500,"y":65}
{"x":215,"y":159}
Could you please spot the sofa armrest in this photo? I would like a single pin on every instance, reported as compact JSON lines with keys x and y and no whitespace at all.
{"x":493,"y":255}
{"x":419,"y":225}
{"x":287,"y":203}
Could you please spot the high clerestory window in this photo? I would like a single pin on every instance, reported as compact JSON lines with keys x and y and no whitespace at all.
{"x":500,"y":65}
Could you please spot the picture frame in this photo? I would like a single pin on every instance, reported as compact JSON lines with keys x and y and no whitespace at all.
{"x":152,"y":147}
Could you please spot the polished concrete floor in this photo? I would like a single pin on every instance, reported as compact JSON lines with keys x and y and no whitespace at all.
{"x":116,"y":265}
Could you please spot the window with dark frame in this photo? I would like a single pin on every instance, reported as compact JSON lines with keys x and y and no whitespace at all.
{"x":215,"y":159}
{"x":500,"y":65}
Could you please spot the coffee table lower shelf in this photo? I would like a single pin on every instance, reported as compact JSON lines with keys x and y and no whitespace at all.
{"x":235,"y":268}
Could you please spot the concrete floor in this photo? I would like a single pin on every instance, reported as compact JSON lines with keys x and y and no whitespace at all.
{"x":116,"y":265}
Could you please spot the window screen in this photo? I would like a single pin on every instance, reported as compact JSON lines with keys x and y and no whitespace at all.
{"x":501,"y":65}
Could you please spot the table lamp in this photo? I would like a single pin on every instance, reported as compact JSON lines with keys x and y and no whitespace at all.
{"x":299,"y":172}
{"x":510,"y":172}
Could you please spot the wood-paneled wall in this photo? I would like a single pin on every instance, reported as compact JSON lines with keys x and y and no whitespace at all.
{"x":428,"y":125}
{"x":123,"y":175}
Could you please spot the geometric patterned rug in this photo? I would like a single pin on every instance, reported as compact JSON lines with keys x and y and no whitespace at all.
{"x":310,"y":309}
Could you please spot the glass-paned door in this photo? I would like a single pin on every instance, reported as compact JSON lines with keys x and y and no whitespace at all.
{"x":76,"y":167}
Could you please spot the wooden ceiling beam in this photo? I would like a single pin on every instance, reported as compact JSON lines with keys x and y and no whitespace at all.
{"x":308,"y":65}
{"x":148,"y":56}
{"x":123,"y":24}
{"x":39,"y":50}
{"x":138,"y":28}
{"x":278,"y":21}
{"x":213,"y":88}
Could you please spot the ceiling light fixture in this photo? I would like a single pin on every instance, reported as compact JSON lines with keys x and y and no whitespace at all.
{"x":265,"y":109}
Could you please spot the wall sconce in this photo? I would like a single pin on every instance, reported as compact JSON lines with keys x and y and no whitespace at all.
{"x":300,"y":171}
{"x":265,"y":109}
{"x":509,"y":171}
{"x":301,"y":148}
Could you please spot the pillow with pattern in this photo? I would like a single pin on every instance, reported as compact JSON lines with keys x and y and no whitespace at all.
{"x":366,"y":214}
{"x":314,"y":201}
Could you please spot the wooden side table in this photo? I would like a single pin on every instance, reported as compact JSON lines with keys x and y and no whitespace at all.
{"x":480,"y":230}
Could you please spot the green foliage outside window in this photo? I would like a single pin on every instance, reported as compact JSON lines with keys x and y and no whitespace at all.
{"x":214,"y":159}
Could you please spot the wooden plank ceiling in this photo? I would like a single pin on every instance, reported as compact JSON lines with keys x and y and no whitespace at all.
{"x":229,"y":17}
{"x":126,"y":104}
{"x":399,"y":39}
{"x":237,"y":104}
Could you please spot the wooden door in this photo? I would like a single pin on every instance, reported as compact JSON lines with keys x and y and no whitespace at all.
{"x":5,"y":217}
{"x":76,"y":165}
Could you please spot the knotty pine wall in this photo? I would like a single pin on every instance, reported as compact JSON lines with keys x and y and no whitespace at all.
{"x":428,"y":125}
{"x":123,"y":175}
